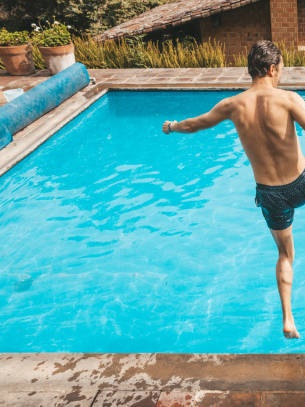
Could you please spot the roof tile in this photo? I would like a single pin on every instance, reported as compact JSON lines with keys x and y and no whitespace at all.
{"x":172,"y":14}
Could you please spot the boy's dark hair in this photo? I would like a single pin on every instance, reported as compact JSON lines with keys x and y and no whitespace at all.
{"x":262,"y":55}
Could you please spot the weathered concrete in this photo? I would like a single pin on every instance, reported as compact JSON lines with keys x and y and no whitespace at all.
{"x":161,"y":380}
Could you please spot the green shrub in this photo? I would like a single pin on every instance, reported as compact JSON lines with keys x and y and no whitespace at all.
{"x":39,"y":62}
{"x":113,"y":12}
{"x":291,"y":56}
{"x":13,"y":38}
{"x":241,"y":59}
{"x":92,"y":15}
{"x":135,"y":53}
{"x":54,"y":34}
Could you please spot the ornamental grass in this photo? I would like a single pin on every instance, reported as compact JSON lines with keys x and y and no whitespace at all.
{"x":134,"y":53}
{"x":137,"y":53}
{"x":291,"y":56}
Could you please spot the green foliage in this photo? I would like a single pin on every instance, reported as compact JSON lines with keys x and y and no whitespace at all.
{"x":52,"y":35}
{"x":88,"y":16}
{"x":13,"y":38}
{"x":21,"y":13}
{"x":135,"y":53}
{"x":39,"y":62}
{"x":291,"y":56}
{"x":241,"y":59}
{"x":110,"y":13}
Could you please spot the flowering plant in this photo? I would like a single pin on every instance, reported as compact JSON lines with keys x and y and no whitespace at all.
{"x":13,"y":38}
{"x":52,"y":35}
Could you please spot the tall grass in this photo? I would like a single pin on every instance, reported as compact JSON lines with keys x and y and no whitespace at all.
{"x":139,"y":54}
{"x":292,"y":56}
{"x":241,"y":59}
{"x":136,"y":53}
{"x":38,"y":59}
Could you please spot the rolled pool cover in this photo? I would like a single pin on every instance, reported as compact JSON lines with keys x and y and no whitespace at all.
{"x":39,"y":100}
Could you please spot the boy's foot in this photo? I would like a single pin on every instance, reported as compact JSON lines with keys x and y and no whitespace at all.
{"x":290,"y":331}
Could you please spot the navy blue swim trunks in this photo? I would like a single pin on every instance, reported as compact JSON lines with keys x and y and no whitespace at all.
{"x":278,"y":202}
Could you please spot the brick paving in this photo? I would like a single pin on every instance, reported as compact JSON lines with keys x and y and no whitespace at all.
{"x":145,"y":380}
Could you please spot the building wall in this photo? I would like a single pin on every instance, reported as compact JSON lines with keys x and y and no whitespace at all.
{"x":301,"y":21}
{"x":284,"y":21}
{"x":239,"y":28}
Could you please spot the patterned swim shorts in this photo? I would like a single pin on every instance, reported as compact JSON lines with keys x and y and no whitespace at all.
{"x":278,"y":202}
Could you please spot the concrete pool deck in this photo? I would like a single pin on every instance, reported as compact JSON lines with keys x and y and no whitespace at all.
{"x":143,"y":380}
{"x":151,"y":380}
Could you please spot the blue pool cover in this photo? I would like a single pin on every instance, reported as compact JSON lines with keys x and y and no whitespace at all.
{"x":28,"y":107}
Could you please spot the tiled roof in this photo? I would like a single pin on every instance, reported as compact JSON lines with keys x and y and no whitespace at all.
{"x":172,"y":14}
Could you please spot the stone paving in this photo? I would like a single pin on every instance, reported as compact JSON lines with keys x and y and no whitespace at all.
{"x":145,"y":380}
{"x":184,"y":78}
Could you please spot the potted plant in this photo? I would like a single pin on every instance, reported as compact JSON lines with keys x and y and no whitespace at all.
{"x":55,"y":44}
{"x":16,"y":52}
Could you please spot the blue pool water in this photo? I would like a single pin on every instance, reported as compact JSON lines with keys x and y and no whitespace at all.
{"x":118,"y":238}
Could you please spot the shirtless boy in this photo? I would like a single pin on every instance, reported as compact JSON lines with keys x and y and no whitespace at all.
{"x":264,"y":117}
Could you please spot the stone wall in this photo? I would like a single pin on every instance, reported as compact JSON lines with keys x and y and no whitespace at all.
{"x":238,"y":28}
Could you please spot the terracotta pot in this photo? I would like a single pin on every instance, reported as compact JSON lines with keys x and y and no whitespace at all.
{"x":58,"y":58}
{"x":18,"y":59}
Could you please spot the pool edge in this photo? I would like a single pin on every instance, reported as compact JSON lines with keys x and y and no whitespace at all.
{"x":155,"y":378}
{"x":31,"y":137}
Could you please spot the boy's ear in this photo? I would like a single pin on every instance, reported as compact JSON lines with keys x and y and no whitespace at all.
{"x":272,"y":70}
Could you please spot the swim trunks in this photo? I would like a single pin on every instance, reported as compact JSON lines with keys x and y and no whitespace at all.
{"x":278,"y":202}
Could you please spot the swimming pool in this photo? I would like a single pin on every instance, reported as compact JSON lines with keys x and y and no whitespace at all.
{"x":118,"y":238}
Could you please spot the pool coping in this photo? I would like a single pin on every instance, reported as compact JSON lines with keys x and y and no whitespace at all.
{"x":150,"y":379}
{"x":28,"y":139}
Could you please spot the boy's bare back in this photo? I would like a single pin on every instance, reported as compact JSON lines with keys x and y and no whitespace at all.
{"x":264,"y":119}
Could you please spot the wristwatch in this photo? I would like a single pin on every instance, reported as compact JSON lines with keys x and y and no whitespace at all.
{"x":169,"y":126}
